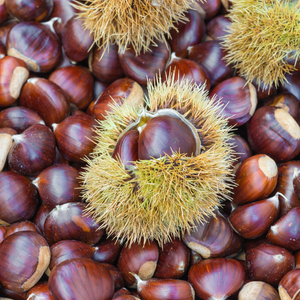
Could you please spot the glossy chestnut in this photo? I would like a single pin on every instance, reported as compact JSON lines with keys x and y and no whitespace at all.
{"x":263,"y":90}
{"x":292,"y":84}
{"x":140,"y":259}
{"x":187,"y":33}
{"x":18,"y":197}
{"x":217,"y":27}
{"x":74,"y":137}
{"x":240,"y":147}
{"x":145,"y":66}
{"x":5,"y":29}
{"x":13,"y":74}
{"x":258,"y":290}
{"x":269,"y":263}
{"x":33,"y":150}
{"x":76,"y":40}
{"x":289,"y":286}
{"x":105,"y":64}
{"x":40,"y":217}
{"x":19,"y":118}
{"x":47,"y":99}
{"x":282,"y":143}
{"x":254,"y":219}
{"x":238,"y":100}
{"x":39,"y":292}
{"x":116,"y":276}
{"x":58,"y":184}
{"x":3,"y":12}
{"x":85,"y":279}
{"x":216,"y":278}
{"x":20,"y":226}
{"x":256,"y":179}
{"x":77,"y":82}
{"x":68,"y":222}
{"x":35,"y":44}
{"x":210,"y":7}
{"x":20,"y":275}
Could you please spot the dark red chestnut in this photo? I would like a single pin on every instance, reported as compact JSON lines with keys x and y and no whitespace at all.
{"x":20,"y":226}
{"x":33,"y":150}
{"x":40,"y":217}
{"x":138,"y":259}
{"x":263,"y":90}
{"x":238,"y":100}
{"x":119,"y":90}
{"x":241,"y":148}
{"x":217,"y":27}
{"x":5,"y":29}
{"x":211,"y":7}
{"x":256,"y":179}
{"x":286,"y":231}
{"x":210,"y":55}
{"x":19,"y":118}
{"x":116,"y":275}
{"x":68,"y":222}
{"x":20,"y":275}
{"x":289,"y":286}
{"x":186,"y":69}
{"x":254,"y":219}
{"x":258,"y":290}
{"x":173,"y":260}
{"x":47,"y":99}
{"x":13,"y":74}
{"x":84,"y":279}
{"x":107,"y":251}
{"x":164,"y":135}
{"x":74,"y":137}
{"x":282,"y":143}
{"x":105,"y":64}
{"x":217,"y":278}
{"x":68,"y":249}
{"x":18,"y":197}
{"x":30,"y":10}
{"x":3,"y":12}
{"x":77,"y":82}
{"x":36,"y":44}
{"x":269,"y":263}
{"x":58,"y":184}
{"x":210,"y":238}
{"x":39,"y":292}
{"x":165,"y":289}
{"x":188,"y":33}
{"x":145,"y":66}
{"x":291,"y":85}
{"x":76,"y":40}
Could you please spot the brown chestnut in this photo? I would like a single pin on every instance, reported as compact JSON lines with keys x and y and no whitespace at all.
{"x":258,"y":290}
{"x":35,"y":44}
{"x":84,"y":279}
{"x":39,"y":292}
{"x":282,"y":143}
{"x":20,"y":226}
{"x":20,"y":275}
{"x":40,"y":217}
{"x":217,"y":27}
{"x":289,"y":286}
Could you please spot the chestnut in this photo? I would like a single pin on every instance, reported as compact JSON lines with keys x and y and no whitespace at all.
{"x":238,"y":100}
{"x":217,"y":27}
{"x":116,"y":275}
{"x":264,"y":91}
{"x":33,"y":150}
{"x":47,"y":99}
{"x":74,"y":137}
{"x":269,"y":263}
{"x":124,"y":88}
{"x":20,"y":275}
{"x":30,"y":10}
{"x":210,"y":238}
{"x":77,"y":82}
{"x":58,"y":184}
{"x":210,"y":7}
{"x":139,"y":258}
{"x":256,"y":179}
{"x":19,"y":118}
{"x":39,"y":292}
{"x":289,"y":286}
{"x":216,"y":278}
{"x":76,"y":40}
{"x":165,"y":289}
{"x":13,"y":74}
{"x":5,"y":29}
{"x":188,"y":33}
{"x":145,"y":66}
{"x":35,"y":44}
{"x":254,"y":219}
{"x":68,"y":249}
{"x":286,"y":231}
{"x":18,"y":197}
{"x":84,"y":279}
{"x":291,"y":85}
{"x":68,"y":221}
{"x":282,"y":143}
{"x":105,"y":64}
{"x":173,"y":260}
{"x":6,"y":143}
{"x":20,"y":226}
{"x":258,"y":290}
{"x":210,"y":55}
{"x":240,"y":147}
{"x":3,"y":12}
{"x":40,"y":217}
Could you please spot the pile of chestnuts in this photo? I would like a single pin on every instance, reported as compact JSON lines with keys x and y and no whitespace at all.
{"x":56,"y":86}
